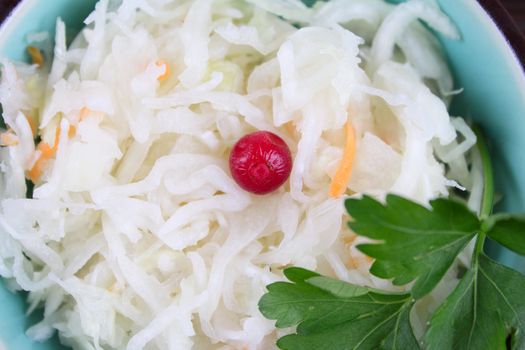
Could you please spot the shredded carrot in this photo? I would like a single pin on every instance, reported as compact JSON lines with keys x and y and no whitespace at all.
{"x":36,"y":172}
{"x":72,"y":131}
{"x":47,"y":152}
{"x":342,"y":176}
{"x":32,"y":124}
{"x":57,"y":138}
{"x":8,"y":138}
{"x":167,"y":70}
{"x":36,"y":55}
{"x":84,"y":112}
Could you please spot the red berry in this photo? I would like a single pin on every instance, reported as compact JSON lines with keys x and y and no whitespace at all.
{"x":260,"y":162}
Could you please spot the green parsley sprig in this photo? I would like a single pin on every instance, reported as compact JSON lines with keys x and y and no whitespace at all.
{"x":414,"y":244}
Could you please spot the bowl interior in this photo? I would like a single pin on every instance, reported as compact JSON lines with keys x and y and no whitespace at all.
{"x":494,"y":96}
{"x":482,"y":62}
{"x":32,"y":16}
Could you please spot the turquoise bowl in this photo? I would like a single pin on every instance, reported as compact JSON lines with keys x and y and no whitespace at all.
{"x":483,"y":63}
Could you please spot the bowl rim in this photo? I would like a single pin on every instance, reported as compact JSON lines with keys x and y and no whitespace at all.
{"x":491,"y":21}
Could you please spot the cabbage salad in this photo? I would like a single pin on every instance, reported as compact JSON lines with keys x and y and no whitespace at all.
{"x":118,"y":212}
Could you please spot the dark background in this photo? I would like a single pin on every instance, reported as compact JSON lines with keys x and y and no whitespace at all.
{"x":517,"y":10}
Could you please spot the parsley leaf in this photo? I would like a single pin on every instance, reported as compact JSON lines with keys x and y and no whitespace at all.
{"x":334,"y":315}
{"x":485,"y":309}
{"x":415,"y":243}
{"x":508,"y":230}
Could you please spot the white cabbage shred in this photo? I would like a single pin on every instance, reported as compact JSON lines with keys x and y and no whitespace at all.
{"x":136,"y":235}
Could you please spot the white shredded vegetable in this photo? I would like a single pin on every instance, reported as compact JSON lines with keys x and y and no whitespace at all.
{"x":137,"y":237}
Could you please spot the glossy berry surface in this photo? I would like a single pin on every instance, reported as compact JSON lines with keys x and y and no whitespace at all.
{"x":261,"y":162}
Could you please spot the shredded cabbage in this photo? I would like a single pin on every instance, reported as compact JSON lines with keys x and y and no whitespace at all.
{"x":137,"y":237}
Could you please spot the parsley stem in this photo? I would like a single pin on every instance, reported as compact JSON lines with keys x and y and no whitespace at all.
{"x":487,"y":201}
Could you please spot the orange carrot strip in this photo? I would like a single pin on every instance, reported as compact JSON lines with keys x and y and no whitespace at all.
{"x":8,"y":139}
{"x":36,"y":55}
{"x":36,"y":172}
{"x":84,"y":112}
{"x":57,"y":139}
{"x":32,"y":124}
{"x":72,"y":131}
{"x":342,"y":176}
{"x":167,"y":70}
{"x":47,"y":152}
